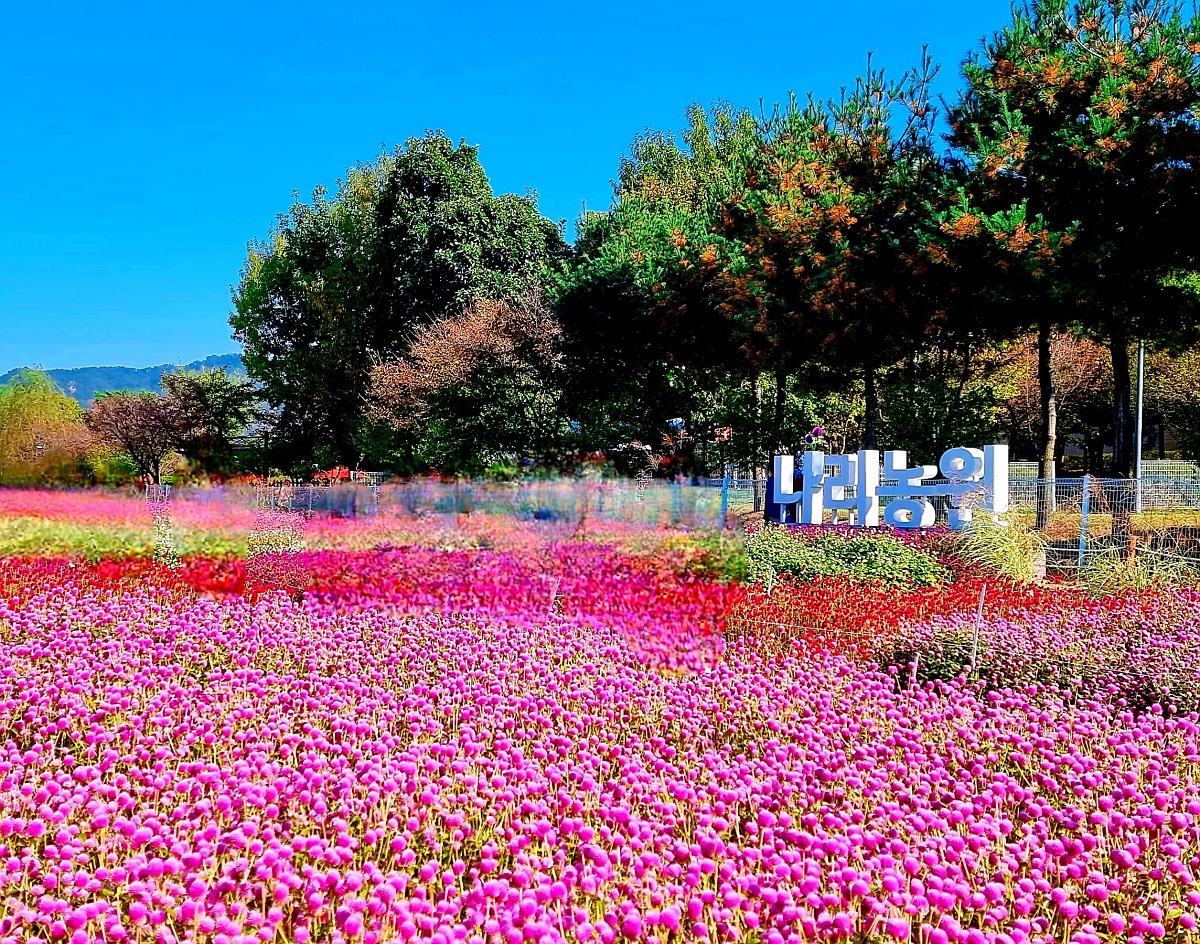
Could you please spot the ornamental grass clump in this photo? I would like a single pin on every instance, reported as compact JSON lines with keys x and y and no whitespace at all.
{"x":869,"y":557}
{"x":1111,"y":570}
{"x":1002,"y":546}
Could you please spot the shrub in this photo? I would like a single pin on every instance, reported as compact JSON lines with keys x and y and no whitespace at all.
{"x":708,"y":555}
{"x":111,"y":467}
{"x":1003,"y":546}
{"x":876,"y":557}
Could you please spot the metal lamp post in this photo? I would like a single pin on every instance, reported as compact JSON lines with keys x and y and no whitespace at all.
{"x":1137,"y":434}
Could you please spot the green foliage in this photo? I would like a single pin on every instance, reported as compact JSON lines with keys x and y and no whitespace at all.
{"x":881,"y":558}
{"x":43,"y":537}
{"x":109,"y":467}
{"x":147,"y":427}
{"x":216,"y":407}
{"x":939,"y":399}
{"x":1002,"y":545}
{"x":1087,"y":113}
{"x":407,"y":240}
{"x":719,"y":556}
{"x":42,"y":437}
{"x":759,"y":274}
{"x":826,"y":240}
{"x":712,"y":555}
{"x":480,"y":386}
{"x":502,"y":472}
{"x":1109,"y":571}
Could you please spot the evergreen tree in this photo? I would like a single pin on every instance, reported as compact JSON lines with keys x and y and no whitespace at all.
{"x":1088,"y":113}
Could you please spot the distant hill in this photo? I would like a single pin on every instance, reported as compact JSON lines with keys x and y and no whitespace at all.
{"x":83,"y":383}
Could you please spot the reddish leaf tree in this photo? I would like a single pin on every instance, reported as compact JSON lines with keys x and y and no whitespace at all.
{"x":146,"y":426}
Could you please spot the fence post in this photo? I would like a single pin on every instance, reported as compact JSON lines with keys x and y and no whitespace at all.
{"x":975,"y":635}
{"x":1084,"y":508}
{"x":725,"y":498}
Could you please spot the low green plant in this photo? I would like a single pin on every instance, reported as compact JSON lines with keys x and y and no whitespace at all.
{"x":716,"y":556}
{"x":1004,"y":546}
{"x":24,"y":536}
{"x":881,"y":558}
{"x":1109,"y":571}
{"x":109,"y":467}
{"x":502,"y":471}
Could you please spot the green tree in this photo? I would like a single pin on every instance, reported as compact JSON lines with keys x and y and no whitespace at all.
{"x":1088,"y":113}
{"x":869,"y":275}
{"x":631,"y":361}
{"x":479,"y":388}
{"x":216,"y":407}
{"x":42,"y":436}
{"x":939,"y":398}
{"x":416,"y":236}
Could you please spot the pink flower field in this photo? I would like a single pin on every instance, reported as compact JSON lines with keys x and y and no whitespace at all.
{"x":557,"y":743}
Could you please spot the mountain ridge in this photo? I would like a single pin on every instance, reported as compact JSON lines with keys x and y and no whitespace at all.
{"x":83,"y":383}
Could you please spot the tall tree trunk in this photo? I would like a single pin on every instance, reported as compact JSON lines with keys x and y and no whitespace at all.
{"x":760,"y":470}
{"x":1122,"y":414}
{"x":1048,"y":433}
{"x":1095,"y":454}
{"x":870,"y":408}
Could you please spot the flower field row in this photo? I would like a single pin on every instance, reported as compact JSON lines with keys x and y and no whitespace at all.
{"x":99,"y":525}
{"x":354,"y":766}
{"x":565,"y":741}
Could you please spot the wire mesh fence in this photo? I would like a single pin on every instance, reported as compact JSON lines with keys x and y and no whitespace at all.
{"x":1081,"y":517}
{"x":1084,"y":519}
{"x":653,"y":502}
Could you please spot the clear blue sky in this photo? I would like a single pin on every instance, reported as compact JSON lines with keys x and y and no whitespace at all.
{"x":143,"y":145}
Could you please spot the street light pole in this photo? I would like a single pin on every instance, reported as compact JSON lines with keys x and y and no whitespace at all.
{"x":1137,"y":434}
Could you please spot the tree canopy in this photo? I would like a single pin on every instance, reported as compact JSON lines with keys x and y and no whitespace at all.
{"x":147,"y":427}
{"x":215,"y":408}
{"x":345,"y":279}
{"x":902,"y":273}
{"x":1088,"y":111}
{"x":41,"y":432}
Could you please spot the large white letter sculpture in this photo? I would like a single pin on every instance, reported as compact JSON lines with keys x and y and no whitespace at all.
{"x":975,"y":478}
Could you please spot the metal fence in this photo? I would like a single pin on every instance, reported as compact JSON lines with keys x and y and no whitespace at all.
{"x":1083,"y":518}
{"x":1083,"y":512}
{"x":562,"y":501}
{"x":336,"y":501}
{"x":1133,"y":495}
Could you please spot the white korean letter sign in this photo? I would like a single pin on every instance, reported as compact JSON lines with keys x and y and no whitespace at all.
{"x":974,"y":479}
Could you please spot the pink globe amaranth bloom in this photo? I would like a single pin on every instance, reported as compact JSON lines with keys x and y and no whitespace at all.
{"x":631,"y":925}
{"x":583,"y":723}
